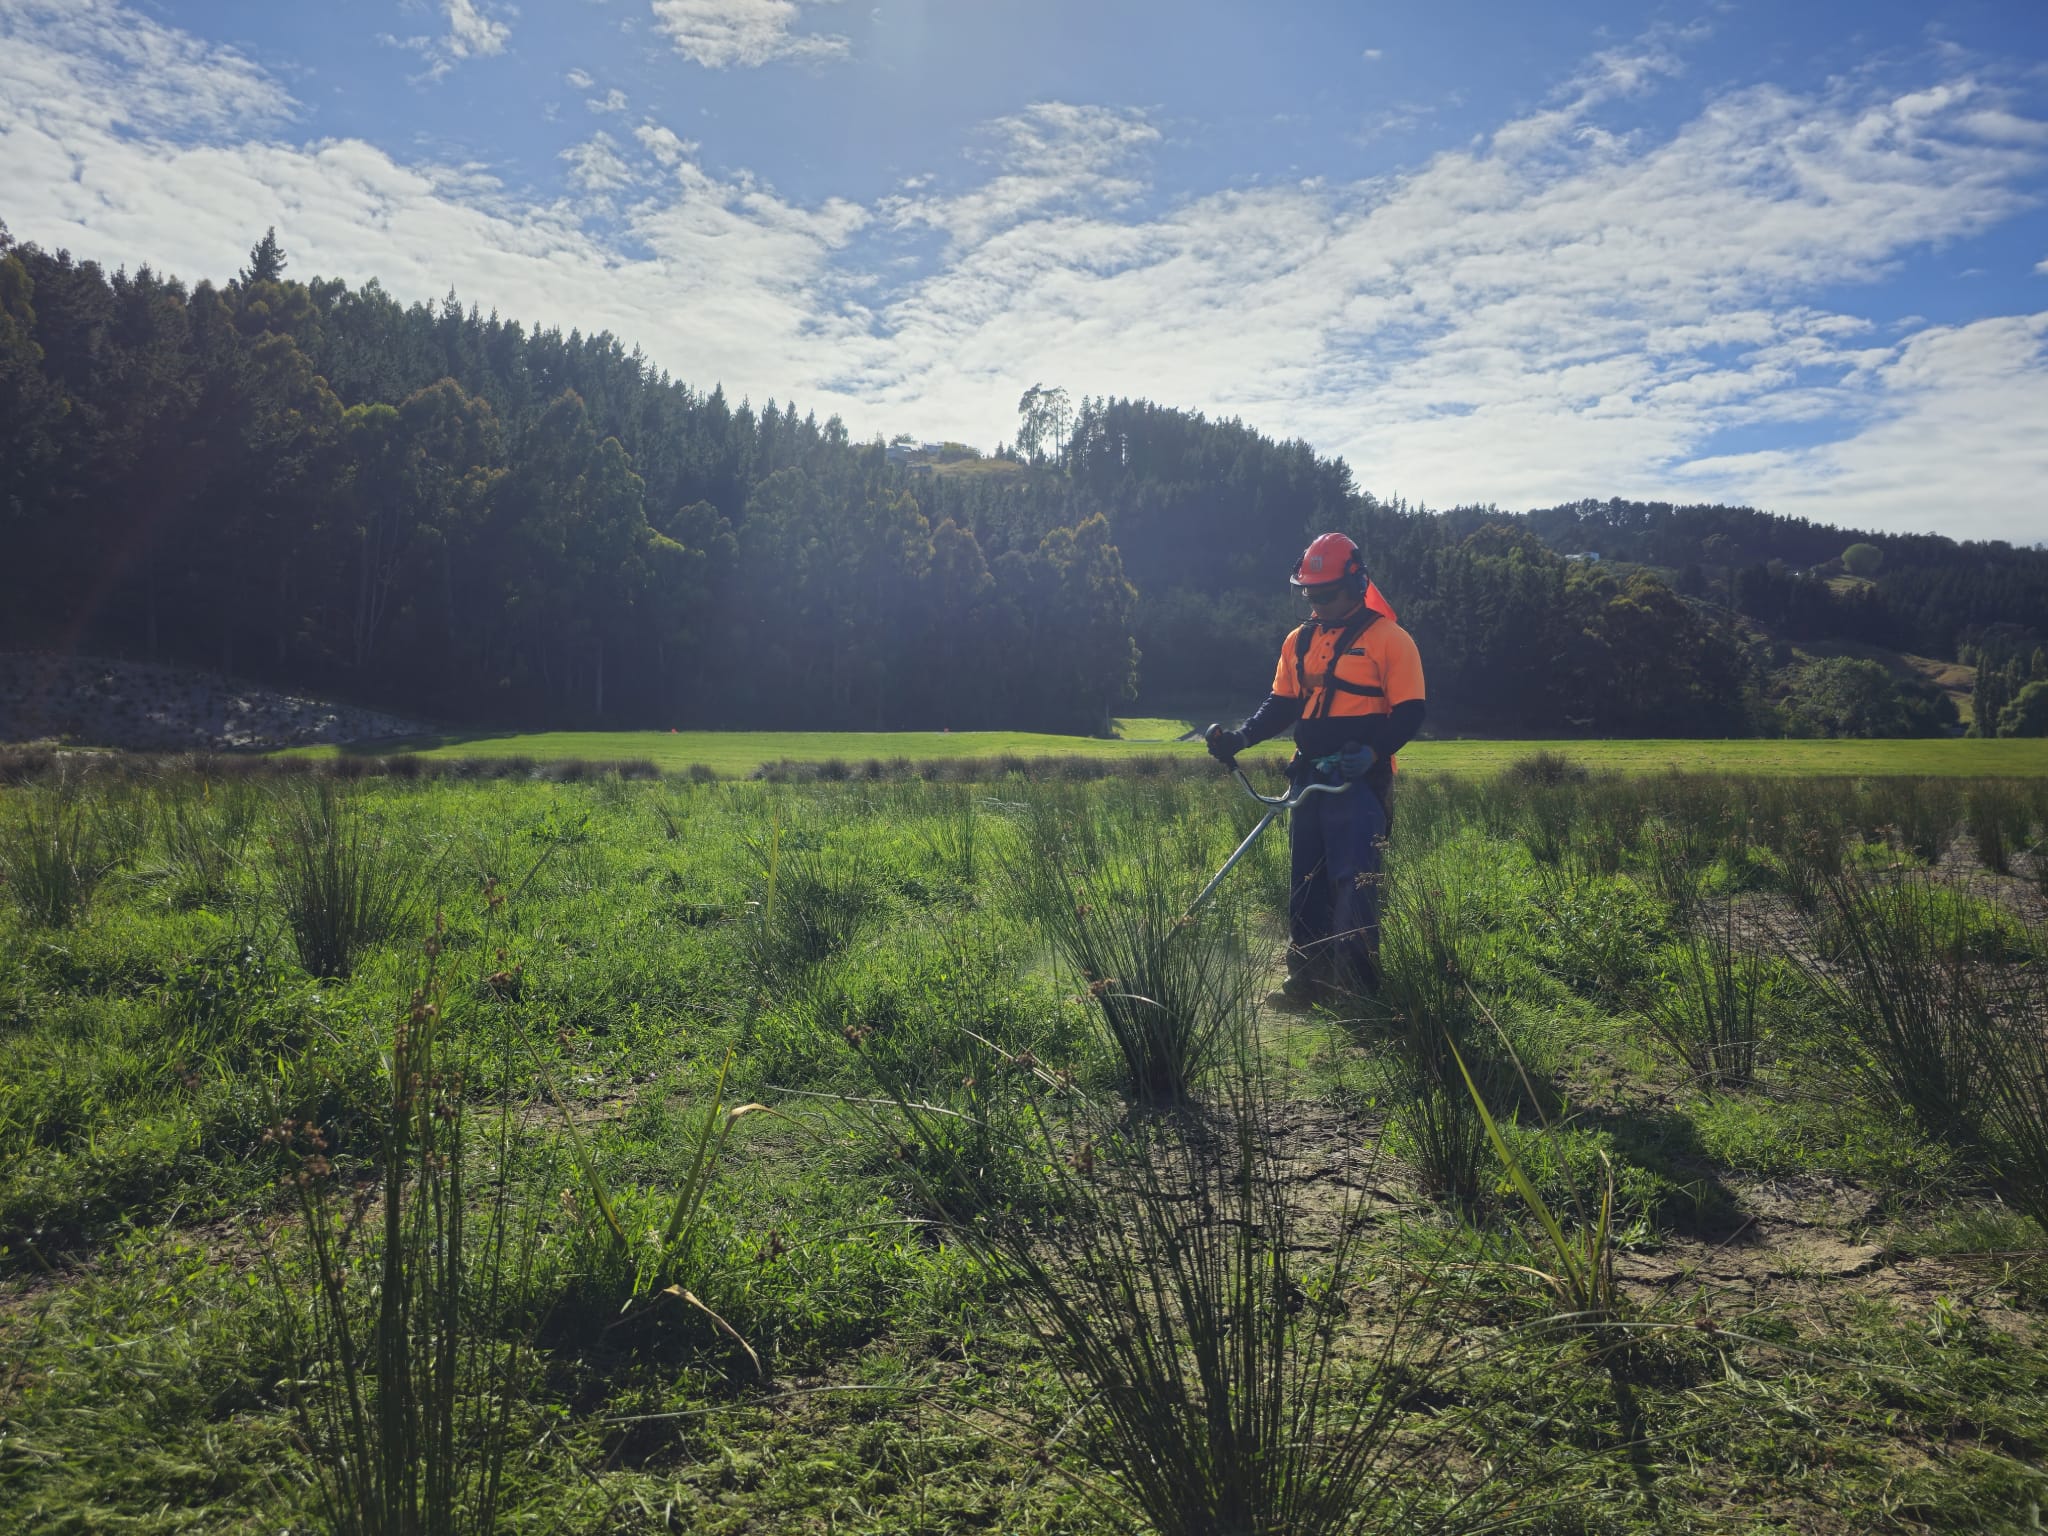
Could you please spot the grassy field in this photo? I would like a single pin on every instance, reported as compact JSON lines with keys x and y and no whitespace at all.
{"x":893,"y":1157}
{"x":738,"y":753}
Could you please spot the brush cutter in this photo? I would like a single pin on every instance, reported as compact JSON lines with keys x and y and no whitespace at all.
{"x":1277,"y":804}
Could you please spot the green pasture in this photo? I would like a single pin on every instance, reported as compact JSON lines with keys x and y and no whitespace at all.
{"x":1756,"y":1243}
{"x":737,"y":753}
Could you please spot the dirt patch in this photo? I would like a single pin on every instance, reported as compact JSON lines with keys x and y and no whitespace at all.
{"x":149,"y":707}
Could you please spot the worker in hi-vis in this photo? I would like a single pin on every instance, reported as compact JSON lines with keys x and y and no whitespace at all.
{"x":1350,"y":683}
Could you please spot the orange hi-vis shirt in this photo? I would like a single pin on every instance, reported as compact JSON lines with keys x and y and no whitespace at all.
{"x":1378,"y":669}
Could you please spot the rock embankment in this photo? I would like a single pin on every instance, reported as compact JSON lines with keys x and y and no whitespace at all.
{"x":153,"y":707}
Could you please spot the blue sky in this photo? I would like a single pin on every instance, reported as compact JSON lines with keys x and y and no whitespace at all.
{"x":1790,"y":255}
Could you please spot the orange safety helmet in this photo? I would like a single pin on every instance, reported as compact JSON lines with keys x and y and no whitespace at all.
{"x":1331,"y":557}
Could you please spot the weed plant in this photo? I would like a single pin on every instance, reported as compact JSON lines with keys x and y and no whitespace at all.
{"x":639,"y":1243}
{"x":959,"y":1051}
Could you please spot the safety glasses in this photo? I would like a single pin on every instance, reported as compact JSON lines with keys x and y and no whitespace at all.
{"x":1324,"y":594}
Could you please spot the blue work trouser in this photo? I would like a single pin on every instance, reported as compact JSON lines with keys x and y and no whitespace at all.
{"x":1333,"y":909}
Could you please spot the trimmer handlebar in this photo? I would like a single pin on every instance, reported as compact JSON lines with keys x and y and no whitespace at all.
{"x":1289,"y":801}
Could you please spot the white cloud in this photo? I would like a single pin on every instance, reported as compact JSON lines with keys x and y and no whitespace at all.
{"x":595,"y":166}
{"x":98,"y":67}
{"x":1372,"y":53}
{"x":1569,"y":306}
{"x":1975,"y":390}
{"x":2041,"y":266}
{"x":664,"y":145}
{"x":472,"y":33}
{"x":1053,"y":155}
{"x":1396,"y":119}
{"x":613,"y":100}
{"x":578,"y":80}
{"x":720,"y":34}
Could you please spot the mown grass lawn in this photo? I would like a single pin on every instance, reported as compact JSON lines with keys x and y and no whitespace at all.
{"x":737,"y":753}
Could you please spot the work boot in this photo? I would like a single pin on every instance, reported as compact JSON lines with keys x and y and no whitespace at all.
{"x":1301,"y":991}
{"x":1356,"y":983}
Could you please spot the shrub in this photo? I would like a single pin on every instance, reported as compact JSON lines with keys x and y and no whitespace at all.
{"x":1850,"y":696}
{"x":2027,"y":714}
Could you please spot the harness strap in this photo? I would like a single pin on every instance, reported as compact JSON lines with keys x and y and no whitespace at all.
{"x":1332,"y":685}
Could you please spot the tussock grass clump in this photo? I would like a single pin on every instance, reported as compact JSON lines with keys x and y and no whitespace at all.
{"x":1234,"y":1363}
{"x":1999,"y":822}
{"x":340,"y":885}
{"x":2015,"y":1086}
{"x":1546,"y":768}
{"x":1439,"y":1035}
{"x":202,"y":836}
{"x":53,"y":856}
{"x":1903,"y":984}
{"x":818,"y":892}
{"x":1922,"y":816}
{"x":405,"y":1393}
{"x":1711,"y":1002}
{"x":1172,"y":992}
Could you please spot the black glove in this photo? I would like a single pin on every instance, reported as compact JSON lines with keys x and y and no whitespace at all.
{"x":1356,"y":760}
{"x":1224,"y":745}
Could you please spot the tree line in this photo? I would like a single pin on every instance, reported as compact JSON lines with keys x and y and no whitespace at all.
{"x":441,"y":510}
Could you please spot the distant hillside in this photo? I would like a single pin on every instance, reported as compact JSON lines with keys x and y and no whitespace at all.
{"x":1921,"y":593}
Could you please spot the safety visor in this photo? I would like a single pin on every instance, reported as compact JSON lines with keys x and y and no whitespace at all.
{"x":1325,"y":592}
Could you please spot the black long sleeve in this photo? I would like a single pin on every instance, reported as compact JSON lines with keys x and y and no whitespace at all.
{"x":1389,"y":733}
{"x":1270,"y":719}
